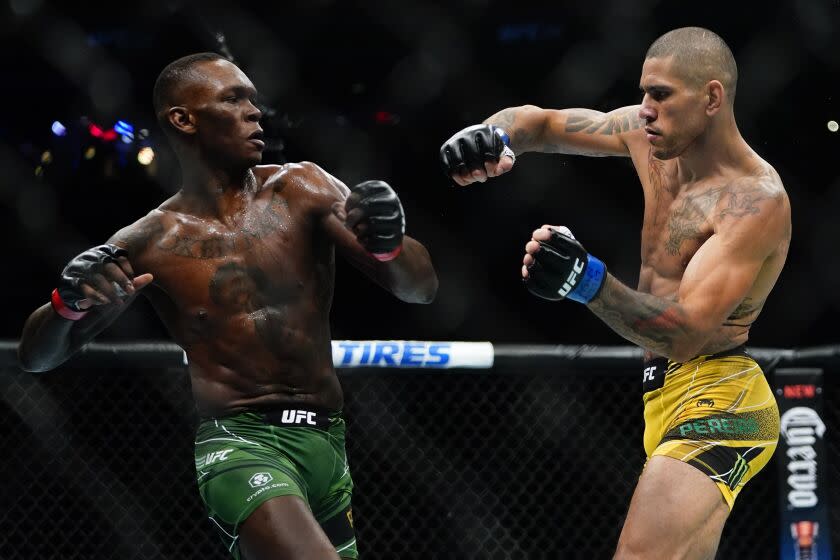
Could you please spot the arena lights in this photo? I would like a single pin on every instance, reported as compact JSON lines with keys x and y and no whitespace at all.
{"x":95,"y":130}
{"x":145,"y":155}
{"x":833,"y":126}
{"x":124,"y":128}
{"x":59,"y":129}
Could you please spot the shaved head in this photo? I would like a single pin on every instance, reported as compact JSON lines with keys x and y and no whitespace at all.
{"x":174,"y":76}
{"x":699,"y":56}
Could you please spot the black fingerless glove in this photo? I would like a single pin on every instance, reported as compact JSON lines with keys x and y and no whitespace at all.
{"x":382,"y":212}
{"x":80,"y":269}
{"x":563,"y":269}
{"x":468,"y":149}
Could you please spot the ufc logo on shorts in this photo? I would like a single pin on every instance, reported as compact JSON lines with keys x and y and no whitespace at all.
{"x":570,"y":282}
{"x":648,"y":374}
{"x":298,"y":417}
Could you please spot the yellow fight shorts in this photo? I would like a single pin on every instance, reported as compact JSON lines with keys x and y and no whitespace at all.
{"x":714,"y":412}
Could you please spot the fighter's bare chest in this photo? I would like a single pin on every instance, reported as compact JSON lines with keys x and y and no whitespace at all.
{"x":678,"y":219}
{"x":255,"y":251}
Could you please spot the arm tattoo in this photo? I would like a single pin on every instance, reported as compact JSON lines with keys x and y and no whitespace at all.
{"x":136,"y":238}
{"x":651,"y":322}
{"x":607,"y":124}
{"x":745,"y":309}
{"x":503,"y":119}
{"x":521,"y":139}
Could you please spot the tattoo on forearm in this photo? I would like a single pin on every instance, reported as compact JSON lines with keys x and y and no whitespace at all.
{"x":521,"y":139}
{"x":503,"y":119}
{"x":607,"y":124}
{"x":651,"y":322}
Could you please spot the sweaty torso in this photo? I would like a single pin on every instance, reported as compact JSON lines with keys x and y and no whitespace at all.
{"x":680,"y":217}
{"x":247,"y":295}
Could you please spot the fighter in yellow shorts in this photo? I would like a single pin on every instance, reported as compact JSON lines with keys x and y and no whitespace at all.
{"x":715,"y":237}
{"x":715,"y":412}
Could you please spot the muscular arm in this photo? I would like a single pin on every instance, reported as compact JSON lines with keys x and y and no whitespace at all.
{"x":716,"y":281}
{"x":48,"y":339}
{"x":411,"y":276}
{"x":568,"y":131}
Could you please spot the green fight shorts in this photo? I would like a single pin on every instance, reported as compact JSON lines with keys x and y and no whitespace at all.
{"x":247,"y":458}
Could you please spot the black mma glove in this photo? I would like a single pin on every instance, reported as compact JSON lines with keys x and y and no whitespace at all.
{"x":563,"y":269}
{"x":375,"y":214}
{"x":468,"y":149}
{"x":81,"y":270}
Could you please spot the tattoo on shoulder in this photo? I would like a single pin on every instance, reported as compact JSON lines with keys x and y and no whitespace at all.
{"x":136,"y":238}
{"x":736,"y":200}
{"x":606,"y":124}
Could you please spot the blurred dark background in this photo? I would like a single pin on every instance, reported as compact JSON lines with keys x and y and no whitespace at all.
{"x":370,"y":90}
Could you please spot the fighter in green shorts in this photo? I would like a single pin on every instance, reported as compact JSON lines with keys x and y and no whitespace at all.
{"x":240,"y":266}
{"x":245,"y":459}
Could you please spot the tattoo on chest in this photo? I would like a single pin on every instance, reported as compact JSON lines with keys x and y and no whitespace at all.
{"x":260,"y":223}
{"x":696,"y":212}
{"x":686,"y":221}
{"x":238,"y":288}
{"x":198,"y":248}
{"x":656,"y":172}
{"x":272,"y":217}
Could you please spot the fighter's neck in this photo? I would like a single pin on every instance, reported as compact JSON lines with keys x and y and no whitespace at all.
{"x":218,"y":192}
{"x":717,"y":150}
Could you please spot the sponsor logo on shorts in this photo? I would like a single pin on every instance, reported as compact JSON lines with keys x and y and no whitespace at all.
{"x":298,"y":417}
{"x":415,"y":354}
{"x":266,"y":489}
{"x":709,"y":426}
{"x":214,"y":457}
{"x":706,"y":402}
{"x":350,"y":516}
{"x":738,"y":471}
{"x":260,"y":479}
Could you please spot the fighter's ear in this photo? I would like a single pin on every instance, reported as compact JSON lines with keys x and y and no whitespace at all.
{"x":714,"y":97}
{"x":181,"y":119}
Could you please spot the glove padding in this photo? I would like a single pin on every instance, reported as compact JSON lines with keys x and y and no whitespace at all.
{"x":375,"y":207}
{"x":82,"y":268}
{"x":468,"y":149}
{"x":563,"y":269}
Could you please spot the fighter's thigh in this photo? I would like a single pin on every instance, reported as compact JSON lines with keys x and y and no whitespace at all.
{"x":283,"y":527}
{"x":677,"y":512}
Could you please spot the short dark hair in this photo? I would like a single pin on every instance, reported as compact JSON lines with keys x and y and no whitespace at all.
{"x":174,"y":73}
{"x":699,"y":55}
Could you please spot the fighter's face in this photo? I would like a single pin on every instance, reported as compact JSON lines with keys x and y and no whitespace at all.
{"x":227,"y":119}
{"x":674,"y":113}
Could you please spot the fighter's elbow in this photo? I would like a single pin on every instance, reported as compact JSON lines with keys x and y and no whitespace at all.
{"x":424,"y":293}
{"x":29,"y":362}
{"x":688,"y":345}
